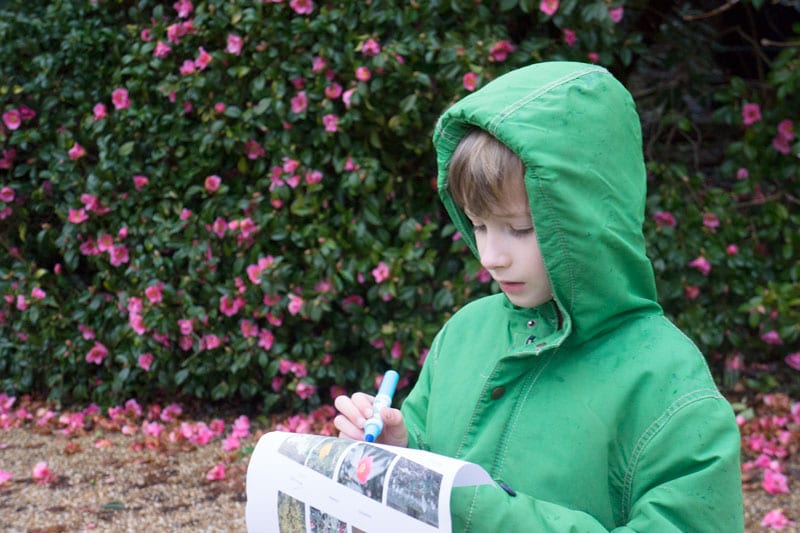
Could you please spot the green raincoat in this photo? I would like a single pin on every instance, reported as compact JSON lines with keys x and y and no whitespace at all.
{"x":593,"y":410}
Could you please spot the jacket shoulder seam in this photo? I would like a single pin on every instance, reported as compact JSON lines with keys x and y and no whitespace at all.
{"x":650,"y":433}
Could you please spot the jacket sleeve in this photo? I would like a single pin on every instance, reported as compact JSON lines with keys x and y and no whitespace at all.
{"x":415,"y":406}
{"x":686,"y":477}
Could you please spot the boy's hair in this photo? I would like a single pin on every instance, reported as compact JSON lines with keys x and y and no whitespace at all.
{"x":484,"y":173}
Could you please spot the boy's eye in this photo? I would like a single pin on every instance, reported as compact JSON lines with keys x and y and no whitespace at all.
{"x":522,"y":231}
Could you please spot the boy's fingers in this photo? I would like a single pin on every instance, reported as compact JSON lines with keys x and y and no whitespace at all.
{"x":347,"y":429}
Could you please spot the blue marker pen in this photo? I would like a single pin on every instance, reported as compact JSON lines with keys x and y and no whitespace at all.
{"x":374,"y":425}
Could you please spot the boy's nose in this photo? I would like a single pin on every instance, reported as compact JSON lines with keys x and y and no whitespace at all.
{"x":493,"y":256}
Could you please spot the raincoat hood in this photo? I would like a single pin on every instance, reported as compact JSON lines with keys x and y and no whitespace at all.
{"x":576,"y":129}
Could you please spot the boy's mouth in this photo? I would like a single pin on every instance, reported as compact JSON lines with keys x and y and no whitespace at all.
{"x":511,"y":287}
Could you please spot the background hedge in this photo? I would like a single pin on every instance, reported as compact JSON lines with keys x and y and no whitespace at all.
{"x":234,"y":200}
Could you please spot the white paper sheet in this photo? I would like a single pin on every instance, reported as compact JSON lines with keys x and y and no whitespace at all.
{"x":310,"y":483}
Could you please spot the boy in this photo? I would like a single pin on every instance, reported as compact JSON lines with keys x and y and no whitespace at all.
{"x":586,"y":405}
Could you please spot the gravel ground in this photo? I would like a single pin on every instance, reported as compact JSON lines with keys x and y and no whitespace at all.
{"x":123,"y":486}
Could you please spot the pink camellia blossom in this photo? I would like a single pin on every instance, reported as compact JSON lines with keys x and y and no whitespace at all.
{"x":371,"y":47}
{"x":145,"y":361}
{"x":42,"y":473}
{"x":664,"y":218}
{"x":234,"y":45}
{"x":187,"y":67}
{"x":701,"y":264}
{"x":331,"y":123}
{"x":266,"y":339}
{"x":616,"y":14}
{"x":742,"y":174}
{"x":99,"y":111}
{"x":253,"y":150}
{"x":363,"y":74}
{"x":12,"y":119}
{"x":22,"y":304}
{"x":7,"y":195}
{"x":119,"y":255}
{"x":229,"y":306}
{"x":5,"y":476}
{"x":775,"y":519}
{"x":732,"y":249}
{"x":76,"y":216}
{"x":302,"y":7}
{"x":793,"y":360}
{"x":161,"y":50}
{"x":381,"y":272}
{"x":97,"y":353}
{"x":333,"y":91}
{"x":154,"y":293}
{"x":230,"y":443}
{"x":318,"y":64}
{"x":76,"y":152}
{"x":751,"y":113}
{"x":305,"y":391}
{"x":299,"y":102}
{"x":146,"y":35}
{"x":469,"y":80}
{"x":772,"y":337}
{"x":295,"y":304}
{"x":185,"y":326}
{"x":313,"y":176}
{"x":691,"y":292}
{"x":570,"y":37}
{"x":710,"y":220}
{"x":347,"y":96}
{"x":500,"y":50}
{"x":217,"y":473}
{"x":219,"y":227}
{"x":548,"y":7}
{"x":119,"y":97}
{"x":203,"y":59}
{"x":183,"y":7}
{"x":775,"y":482}
{"x":8,"y":158}
{"x":140,"y":182}
{"x":212,"y":183}
{"x":220,"y":107}
{"x":594,"y":57}
{"x":38,"y":294}
{"x":210,"y":342}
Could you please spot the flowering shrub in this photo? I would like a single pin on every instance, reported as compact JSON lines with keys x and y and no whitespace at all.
{"x":234,"y":199}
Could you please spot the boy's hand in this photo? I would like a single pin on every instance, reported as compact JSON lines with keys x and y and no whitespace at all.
{"x":354,"y":412}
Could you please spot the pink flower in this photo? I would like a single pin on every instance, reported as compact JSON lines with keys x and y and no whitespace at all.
{"x":210,"y":341}
{"x":217,"y":473}
{"x":305,"y":391}
{"x":370,"y":48}
{"x":781,"y":145}
{"x":12,"y":119}
{"x":185,"y":326}
{"x":664,"y":218}
{"x":616,"y":13}
{"x":162,"y":49}
{"x":76,"y":152}
{"x":302,"y":7}
{"x":751,"y":113}
{"x":363,"y":469}
{"x":331,"y":123}
{"x":295,"y":304}
{"x":347,"y":96}
{"x":153,"y":292}
{"x":500,"y":50}
{"x":381,"y":272}
{"x":152,"y":429}
{"x":314,"y":176}
{"x":187,"y":67}
{"x":253,"y":150}
{"x":119,"y":255}
{"x":333,"y":91}
{"x":793,"y":360}
{"x":97,"y":353}
{"x":234,"y":44}
{"x":772,"y":338}
{"x":203,"y":59}
{"x":7,"y":195}
{"x":183,"y":7}
{"x":220,"y":107}
{"x":299,"y":102}
{"x":38,"y":294}
{"x":710,"y":220}
{"x":732,"y":249}
{"x":318,"y":64}
{"x":230,"y":306}
{"x":42,"y":474}
{"x":774,"y":482}
{"x":569,"y":37}
{"x":775,"y":519}
{"x":742,"y":174}
{"x":230,"y":443}
{"x":469,"y":80}
{"x":140,"y":182}
{"x":5,"y":476}
{"x":701,"y":264}
{"x":548,"y":7}
{"x":363,"y":74}
{"x":594,"y":57}
{"x":99,"y":111}
{"x":212,"y":183}
{"x":145,"y":361}
{"x":119,"y":97}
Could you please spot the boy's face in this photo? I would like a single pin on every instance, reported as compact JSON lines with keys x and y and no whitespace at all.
{"x":509,"y":250}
